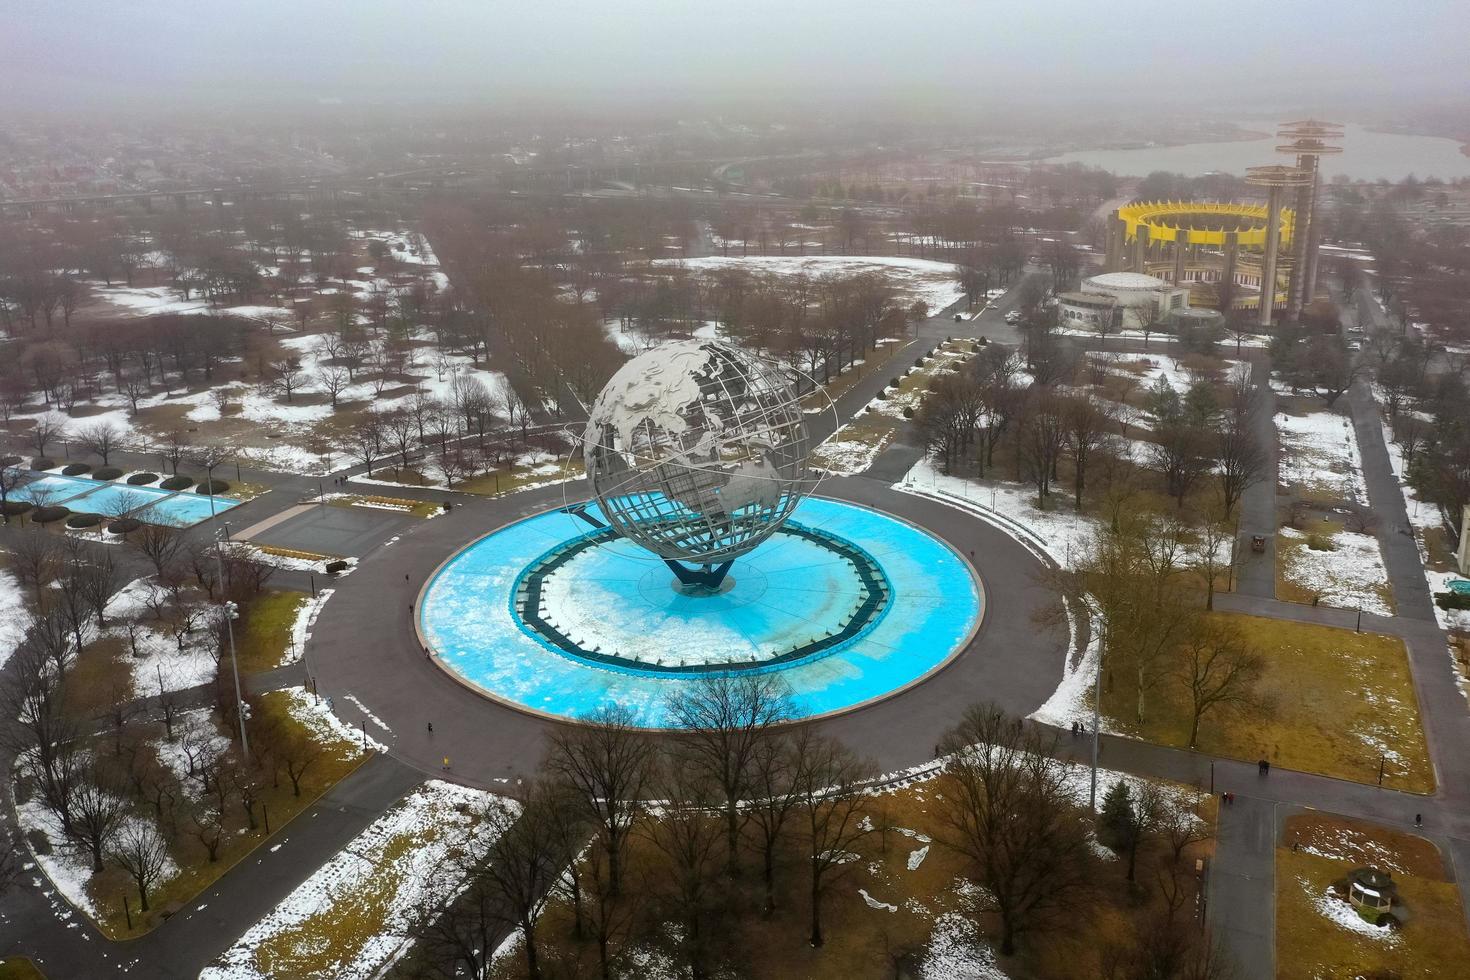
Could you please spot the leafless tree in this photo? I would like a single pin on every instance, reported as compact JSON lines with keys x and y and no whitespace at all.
{"x":285,"y":376}
{"x":688,"y":833}
{"x":1008,"y":810}
{"x":100,"y":439}
{"x":11,"y":478}
{"x":830,"y":785}
{"x":722,"y":718}
{"x":35,"y":559}
{"x":334,"y":381}
{"x":141,"y":851}
{"x":160,"y":544}
{"x":47,"y":429}
{"x":608,"y":762}
{"x":1218,"y":669}
{"x":96,"y":810}
{"x":175,"y":446}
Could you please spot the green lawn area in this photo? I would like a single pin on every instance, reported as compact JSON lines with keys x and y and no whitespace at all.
{"x":1430,"y":945}
{"x":1335,"y":701}
{"x":265,"y":629}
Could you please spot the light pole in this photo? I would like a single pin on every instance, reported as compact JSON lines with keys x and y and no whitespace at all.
{"x":230,"y":613}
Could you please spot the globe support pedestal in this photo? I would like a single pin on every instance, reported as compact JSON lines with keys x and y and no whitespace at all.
{"x":706,"y":577}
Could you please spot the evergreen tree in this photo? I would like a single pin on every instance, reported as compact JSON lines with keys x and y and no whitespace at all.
{"x":1115,"y":822}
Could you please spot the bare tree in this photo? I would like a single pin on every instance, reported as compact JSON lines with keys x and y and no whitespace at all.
{"x":688,"y":833}
{"x":608,"y":762}
{"x":334,"y":381}
{"x":1218,"y":669}
{"x":830,"y":786}
{"x":160,"y":544}
{"x":48,"y":428}
{"x":775,"y":793}
{"x":285,"y":376}
{"x":723,"y":717}
{"x":141,"y":851}
{"x":11,"y":478}
{"x":100,"y":439}
{"x":175,"y":445}
{"x":35,"y":560}
{"x":1007,"y":808}
{"x":96,"y":812}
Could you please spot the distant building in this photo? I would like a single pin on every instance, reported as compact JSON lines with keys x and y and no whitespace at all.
{"x":1130,"y":299}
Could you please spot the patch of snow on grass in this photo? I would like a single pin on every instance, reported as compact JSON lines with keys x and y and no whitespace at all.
{"x":1320,"y":454}
{"x":1352,"y":576}
{"x":955,"y":950}
{"x":916,"y":858}
{"x":873,"y":903}
{"x":377,"y":873}
{"x":324,"y":725}
{"x":13,"y":615}
{"x":1343,"y":914}
{"x":936,"y":283}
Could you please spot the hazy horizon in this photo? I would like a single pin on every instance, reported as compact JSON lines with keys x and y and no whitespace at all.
{"x":937,"y":58}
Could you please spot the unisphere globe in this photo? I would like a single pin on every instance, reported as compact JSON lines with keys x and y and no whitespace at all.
{"x":697,"y":450}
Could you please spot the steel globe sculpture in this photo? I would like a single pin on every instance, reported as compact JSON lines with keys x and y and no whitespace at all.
{"x":696,"y":450}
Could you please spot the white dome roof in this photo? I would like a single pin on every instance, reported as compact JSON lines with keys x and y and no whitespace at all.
{"x":1125,"y":280}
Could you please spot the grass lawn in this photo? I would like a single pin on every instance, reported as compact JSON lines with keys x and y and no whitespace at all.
{"x":262,"y":642}
{"x":1431,"y":944}
{"x":196,"y":872}
{"x":20,"y":968}
{"x":1336,"y":702}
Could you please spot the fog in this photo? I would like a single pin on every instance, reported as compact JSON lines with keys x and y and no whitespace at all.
{"x":943,"y":55}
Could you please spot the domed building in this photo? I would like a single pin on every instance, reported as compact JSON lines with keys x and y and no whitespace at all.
{"x":1122,"y":300}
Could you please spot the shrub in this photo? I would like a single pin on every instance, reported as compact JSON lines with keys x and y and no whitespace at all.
{"x":42,"y":463}
{"x":138,"y":479}
{"x":14,"y":508}
{"x":10,"y":461}
{"x":75,"y":469}
{"x":45,"y":515}
{"x":212,"y":486}
{"x":882,"y":395}
{"x":1451,"y":600}
{"x":333,"y":567}
{"x":893,"y":382}
{"x":177,"y":483}
{"x":908,"y":411}
{"x":84,"y":520}
{"x":1320,"y":542}
{"x":107,"y":473}
{"x":124,"y":525}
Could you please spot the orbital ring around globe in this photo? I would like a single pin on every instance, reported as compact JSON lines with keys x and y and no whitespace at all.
{"x":702,"y":552}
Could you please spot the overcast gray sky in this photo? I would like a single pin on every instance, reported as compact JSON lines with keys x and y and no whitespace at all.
{"x":62,"y":54}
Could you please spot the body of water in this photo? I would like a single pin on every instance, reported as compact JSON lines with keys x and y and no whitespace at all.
{"x":1366,"y":156}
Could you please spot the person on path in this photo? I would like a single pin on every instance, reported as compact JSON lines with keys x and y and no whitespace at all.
{"x":445,"y":766}
{"x":1418,"y":820}
{"x":431,"y":728}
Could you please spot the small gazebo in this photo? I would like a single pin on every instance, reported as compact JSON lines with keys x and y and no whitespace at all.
{"x":1372,"y":891}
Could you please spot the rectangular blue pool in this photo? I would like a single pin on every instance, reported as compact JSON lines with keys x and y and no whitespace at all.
{"x":150,"y":504}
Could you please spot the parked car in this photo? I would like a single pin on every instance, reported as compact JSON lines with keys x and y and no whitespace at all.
{"x":1013,"y":317}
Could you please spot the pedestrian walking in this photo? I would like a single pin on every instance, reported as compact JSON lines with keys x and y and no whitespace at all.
{"x":405,"y":576}
{"x":445,"y":766}
{"x":1418,"y":820}
{"x":431,"y":728}
{"x":1263,"y":767}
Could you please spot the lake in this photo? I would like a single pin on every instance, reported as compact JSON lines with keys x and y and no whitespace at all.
{"x":1366,"y":156}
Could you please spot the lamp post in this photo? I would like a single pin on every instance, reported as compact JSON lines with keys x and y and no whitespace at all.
{"x":230,"y":613}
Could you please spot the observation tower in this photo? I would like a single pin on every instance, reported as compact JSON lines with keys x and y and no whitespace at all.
{"x":1308,"y":140}
{"x":1277,"y":179}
